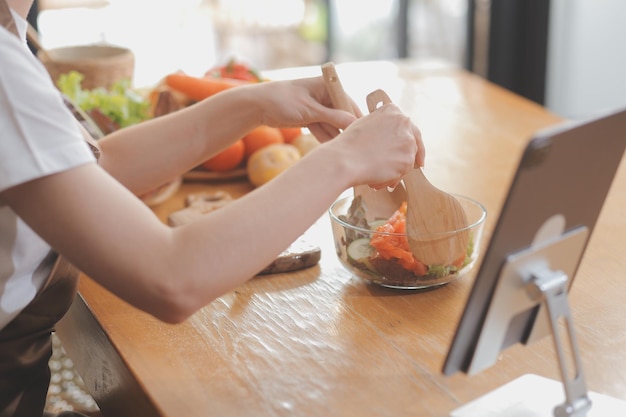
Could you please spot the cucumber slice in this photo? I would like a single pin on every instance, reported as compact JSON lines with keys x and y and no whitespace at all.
{"x":360,"y":249}
{"x":374,"y":224}
{"x":368,"y":264}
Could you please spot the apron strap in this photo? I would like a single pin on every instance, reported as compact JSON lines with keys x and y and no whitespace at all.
{"x":6,"y":18}
{"x":7,"y":21}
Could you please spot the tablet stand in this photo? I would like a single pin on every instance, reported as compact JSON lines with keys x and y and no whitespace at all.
{"x":530,"y":277}
{"x":550,"y":287}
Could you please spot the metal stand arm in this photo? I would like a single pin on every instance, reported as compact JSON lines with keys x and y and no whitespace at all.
{"x":550,"y":287}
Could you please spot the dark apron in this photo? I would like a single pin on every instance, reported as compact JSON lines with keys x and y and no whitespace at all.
{"x":25,"y":343}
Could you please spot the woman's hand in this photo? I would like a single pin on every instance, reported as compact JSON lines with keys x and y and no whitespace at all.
{"x":302,"y":102}
{"x":380,"y":148}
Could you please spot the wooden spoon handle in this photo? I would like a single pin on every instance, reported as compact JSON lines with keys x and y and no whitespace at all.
{"x":333,"y":84}
{"x":377,"y":98}
{"x":380,"y":204}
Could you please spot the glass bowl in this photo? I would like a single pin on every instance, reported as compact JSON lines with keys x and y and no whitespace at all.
{"x":384,"y":257}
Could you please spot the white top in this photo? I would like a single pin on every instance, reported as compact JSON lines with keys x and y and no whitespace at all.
{"x":38,"y":136}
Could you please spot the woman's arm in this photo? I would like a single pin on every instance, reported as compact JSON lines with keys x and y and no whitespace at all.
{"x":170,"y":272}
{"x":91,"y":215}
{"x":153,"y":152}
{"x":109,"y":234}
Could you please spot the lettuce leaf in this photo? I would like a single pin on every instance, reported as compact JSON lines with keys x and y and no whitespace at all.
{"x":123,"y":105}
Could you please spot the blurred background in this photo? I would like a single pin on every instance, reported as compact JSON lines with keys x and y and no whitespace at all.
{"x":565,"y":54}
{"x":194,"y":35}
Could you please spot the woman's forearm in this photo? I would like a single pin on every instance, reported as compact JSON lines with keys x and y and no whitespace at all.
{"x":151,"y":153}
{"x":172,"y":272}
{"x":255,"y":228}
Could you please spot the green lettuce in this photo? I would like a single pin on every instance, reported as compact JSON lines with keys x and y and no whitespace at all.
{"x":123,"y":105}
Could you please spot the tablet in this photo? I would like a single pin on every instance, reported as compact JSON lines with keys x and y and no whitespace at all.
{"x":557,"y":193}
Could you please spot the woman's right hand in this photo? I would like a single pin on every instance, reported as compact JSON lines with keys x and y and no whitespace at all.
{"x":380,"y":148}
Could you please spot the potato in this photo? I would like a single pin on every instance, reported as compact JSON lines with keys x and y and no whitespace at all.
{"x":305,"y":143}
{"x":266,"y":163}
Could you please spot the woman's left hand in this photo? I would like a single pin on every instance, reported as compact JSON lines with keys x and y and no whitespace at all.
{"x":302,"y":102}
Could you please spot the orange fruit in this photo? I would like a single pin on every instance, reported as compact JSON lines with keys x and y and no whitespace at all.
{"x":268,"y":162}
{"x":229,"y":158}
{"x":290,"y":133}
{"x":261,"y":137}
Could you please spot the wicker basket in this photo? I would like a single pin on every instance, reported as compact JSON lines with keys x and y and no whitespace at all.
{"x":102,"y":65}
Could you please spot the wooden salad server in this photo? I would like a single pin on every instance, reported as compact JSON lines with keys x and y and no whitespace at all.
{"x":379,"y":204}
{"x":436,"y":223}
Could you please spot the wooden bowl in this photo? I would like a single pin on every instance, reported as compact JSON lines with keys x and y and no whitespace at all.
{"x":102,"y":65}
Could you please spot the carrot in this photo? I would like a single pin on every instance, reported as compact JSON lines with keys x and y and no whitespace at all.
{"x":459,"y":262}
{"x":396,"y":247}
{"x":200,"y":88}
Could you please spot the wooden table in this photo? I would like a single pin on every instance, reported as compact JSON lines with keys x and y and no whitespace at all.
{"x":321,"y":342}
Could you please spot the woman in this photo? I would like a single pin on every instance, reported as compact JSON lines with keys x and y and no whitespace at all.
{"x":56,"y":197}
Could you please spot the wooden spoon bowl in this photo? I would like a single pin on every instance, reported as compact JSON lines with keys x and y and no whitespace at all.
{"x":436,"y":223}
